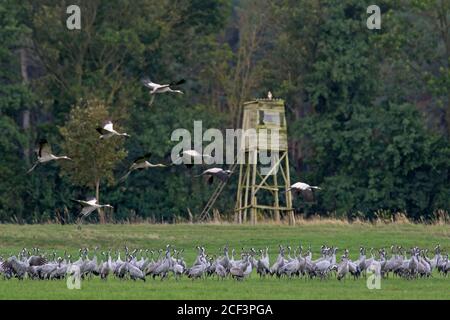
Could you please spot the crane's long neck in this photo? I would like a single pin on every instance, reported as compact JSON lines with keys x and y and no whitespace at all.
{"x":61,"y":158}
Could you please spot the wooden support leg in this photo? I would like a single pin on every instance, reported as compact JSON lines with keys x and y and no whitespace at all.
{"x":238,"y":212}
{"x":247,"y":186}
{"x":275,"y":193}
{"x":253,"y":193}
{"x":289,"y":194}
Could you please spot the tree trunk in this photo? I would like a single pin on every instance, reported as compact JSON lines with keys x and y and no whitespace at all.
{"x":26,"y":112}
{"x":447,"y":115}
{"x":101,"y":213}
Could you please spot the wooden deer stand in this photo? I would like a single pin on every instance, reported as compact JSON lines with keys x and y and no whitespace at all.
{"x":259,"y":185}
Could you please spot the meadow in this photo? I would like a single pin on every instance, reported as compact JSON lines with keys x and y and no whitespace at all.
{"x":214,"y":236}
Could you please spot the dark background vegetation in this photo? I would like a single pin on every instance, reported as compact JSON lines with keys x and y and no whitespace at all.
{"x":368,"y":110}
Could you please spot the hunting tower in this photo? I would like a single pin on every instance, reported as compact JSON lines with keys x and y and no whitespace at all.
{"x":262,"y":186}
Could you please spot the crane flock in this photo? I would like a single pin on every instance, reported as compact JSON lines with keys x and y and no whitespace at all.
{"x":412,"y":263}
{"x":188,"y":157}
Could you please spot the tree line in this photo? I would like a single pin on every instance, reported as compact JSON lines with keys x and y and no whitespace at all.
{"x":368,"y":111}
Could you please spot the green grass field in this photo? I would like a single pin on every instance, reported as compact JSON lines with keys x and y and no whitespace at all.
{"x":49,"y":237}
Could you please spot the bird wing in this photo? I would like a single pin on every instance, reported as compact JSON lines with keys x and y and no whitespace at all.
{"x":222,"y":176}
{"x":300,"y":186}
{"x":87,"y":211}
{"x":206,"y":173}
{"x":82,"y":202}
{"x":143,"y":158}
{"x":149,"y":84}
{"x":297,"y":185}
{"x":37,"y":261}
{"x":101,"y":130}
{"x":308,"y":195}
{"x":91,"y":200}
{"x":213,"y":171}
{"x":7,"y":265}
{"x":177,"y":83}
{"x":108,"y":126}
{"x":44,"y":148}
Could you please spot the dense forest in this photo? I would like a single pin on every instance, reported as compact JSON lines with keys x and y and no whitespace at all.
{"x":368,"y":110}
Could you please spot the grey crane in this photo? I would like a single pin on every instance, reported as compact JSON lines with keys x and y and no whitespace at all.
{"x":36,"y":260}
{"x":444,"y":267}
{"x":44,"y":154}
{"x":60,"y":270}
{"x":237,"y":271}
{"x":290,"y":268}
{"x":142,"y":163}
{"x":394,"y":262}
{"x":197,"y":271}
{"x":15,"y":267}
{"x":135,"y":272}
{"x":413,"y":264}
{"x":220,"y":271}
{"x":278,"y":263}
{"x":424,"y":267}
{"x":263,"y":266}
{"x":153,"y":265}
{"x":178,"y":270}
{"x":161,"y":88}
{"x":322,"y":268}
{"x":90,"y":205}
{"x":200,"y":265}
{"x":107,"y":131}
{"x":136,"y":265}
{"x":90,"y":267}
{"x":178,"y":266}
{"x":242,"y":270}
{"x":343,"y":268}
{"x":225,"y":260}
{"x":305,"y":190}
{"x":47,"y":269}
{"x":218,"y":173}
{"x":105,"y":267}
{"x":190,"y":158}
{"x":163,"y":269}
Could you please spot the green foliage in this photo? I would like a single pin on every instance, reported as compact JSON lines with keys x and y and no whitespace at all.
{"x":382,"y":158}
{"x":416,"y":44}
{"x":15,"y":97}
{"x":94,"y":159}
{"x":367,"y":154}
{"x":163,"y":193}
{"x":367,"y":109}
